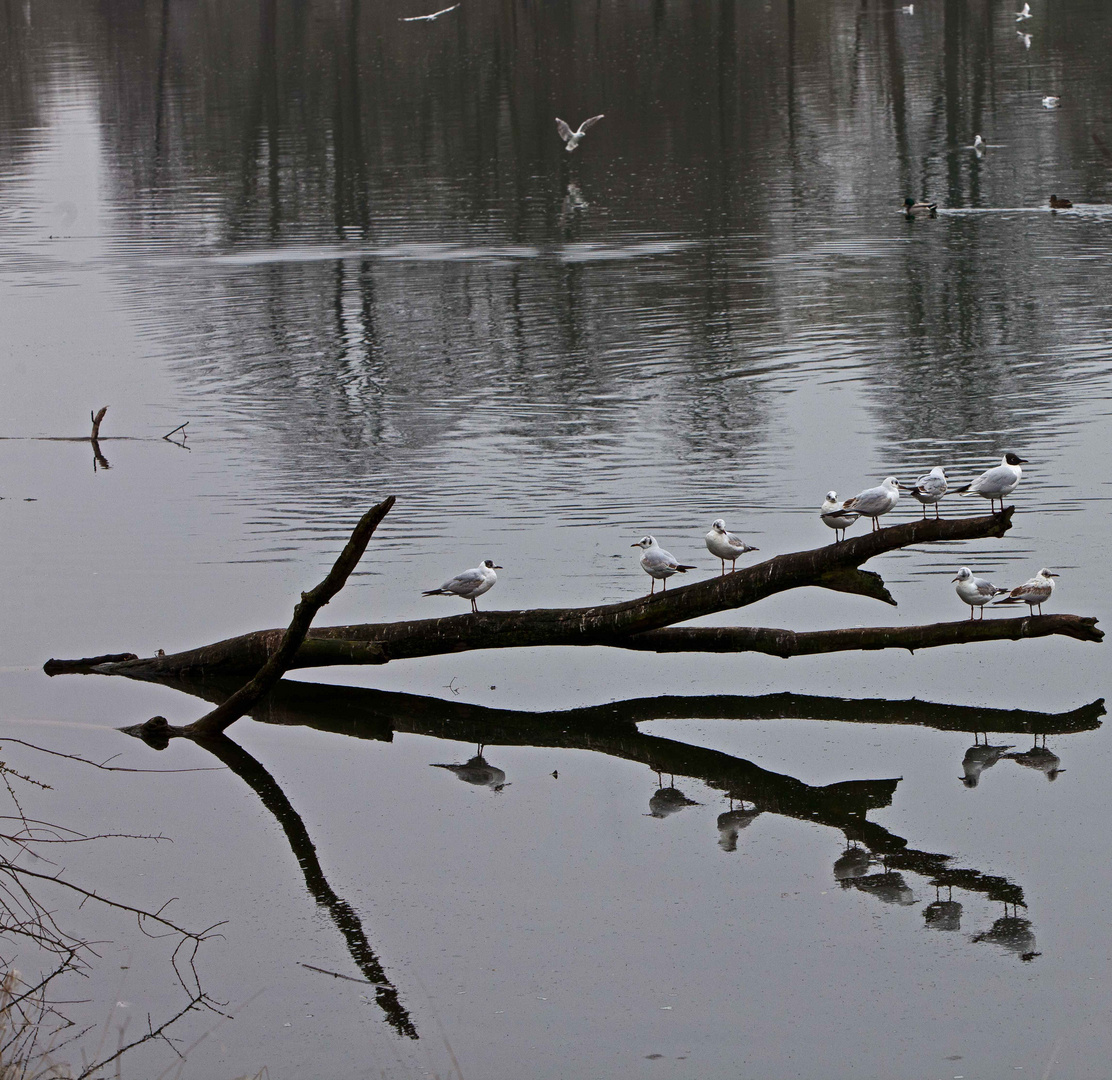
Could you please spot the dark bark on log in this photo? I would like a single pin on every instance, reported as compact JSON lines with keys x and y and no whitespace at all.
{"x":311,"y":602}
{"x":728,"y":639}
{"x":96,"y":423}
{"x":834,"y":566}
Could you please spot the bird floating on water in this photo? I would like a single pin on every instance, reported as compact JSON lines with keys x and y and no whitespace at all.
{"x":1024,"y":14}
{"x":930,"y":488}
{"x":908,"y":9}
{"x":918,"y":208}
{"x":572,"y":138}
{"x":1034,"y":593}
{"x":429,"y":18}
{"x":726,"y":545}
{"x":975,"y":591}
{"x":1059,"y":204}
{"x":471,"y":584}
{"x":836,"y":517}
{"x":872,"y":502}
{"x":979,"y":144}
{"x":659,"y":564}
{"x":1051,"y":101}
{"x":994,"y":484}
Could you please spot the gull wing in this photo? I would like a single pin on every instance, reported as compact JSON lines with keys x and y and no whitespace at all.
{"x":587,"y":123}
{"x":565,"y":131}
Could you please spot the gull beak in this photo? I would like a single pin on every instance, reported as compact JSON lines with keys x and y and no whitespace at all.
{"x":634,"y":545}
{"x":497,"y":567}
{"x":955,"y":579}
{"x":1053,"y":575}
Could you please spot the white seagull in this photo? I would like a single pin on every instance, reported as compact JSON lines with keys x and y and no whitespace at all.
{"x":1033,"y":593}
{"x":994,"y":484}
{"x":1051,"y":101}
{"x":572,"y":138}
{"x":930,"y":488}
{"x":1025,"y":38}
{"x":658,"y":563}
{"x":726,"y":545}
{"x":1024,"y":14}
{"x":979,"y":144}
{"x":429,"y":18}
{"x":470,"y":584}
{"x":872,"y":502}
{"x":975,"y":591}
{"x":836,"y":517}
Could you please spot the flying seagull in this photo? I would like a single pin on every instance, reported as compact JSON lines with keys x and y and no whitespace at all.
{"x":429,"y":18}
{"x":572,"y":138}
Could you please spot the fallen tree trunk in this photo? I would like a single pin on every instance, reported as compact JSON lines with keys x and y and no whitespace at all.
{"x":644,"y":623}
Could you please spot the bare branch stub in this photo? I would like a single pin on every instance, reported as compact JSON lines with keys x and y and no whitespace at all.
{"x":96,"y":419}
{"x":311,"y":602}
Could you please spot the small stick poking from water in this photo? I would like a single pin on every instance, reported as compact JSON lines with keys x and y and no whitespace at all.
{"x":349,"y":978}
{"x":181,"y":428}
{"x":96,"y":422}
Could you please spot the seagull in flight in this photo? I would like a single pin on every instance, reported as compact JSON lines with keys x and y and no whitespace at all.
{"x":572,"y":138}
{"x":726,"y":545}
{"x":1033,"y":593}
{"x":835,"y":516}
{"x":1024,"y":14}
{"x":976,"y":592}
{"x":471,"y":584}
{"x":659,"y":564}
{"x":994,"y":484}
{"x":429,"y":18}
{"x":875,"y":501}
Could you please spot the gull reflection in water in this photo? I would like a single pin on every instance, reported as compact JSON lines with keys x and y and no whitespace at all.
{"x":477,"y":771}
{"x":732,"y":821}
{"x":854,"y":863}
{"x":943,"y":914}
{"x":1012,"y":932}
{"x":889,"y":887}
{"x":1038,"y":757}
{"x":978,"y":757}
{"x":668,"y":800}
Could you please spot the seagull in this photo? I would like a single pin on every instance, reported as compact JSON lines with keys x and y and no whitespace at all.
{"x":834,"y":515}
{"x":943,"y":915}
{"x":1051,"y":101}
{"x":913,"y":208}
{"x":979,"y":145}
{"x":429,"y":18}
{"x":908,"y":9}
{"x":1033,"y":593}
{"x":978,"y":757}
{"x":876,"y":500}
{"x":726,"y":545}
{"x":470,"y":584}
{"x":1025,"y":38}
{"x":731,"y":822}
{"x":1024,"y":14}
{"x":572,"y":138}
{"x":1059,"y":204}
{"x":658,"y":563}
{"x":975,"y":591}
{"x":994,"y":484}
{"x":930,"y":488}
{"x":669,"y":800}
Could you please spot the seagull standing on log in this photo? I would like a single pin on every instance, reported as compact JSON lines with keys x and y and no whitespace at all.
{"x":471,"y":584}
{"x":659,"y":564}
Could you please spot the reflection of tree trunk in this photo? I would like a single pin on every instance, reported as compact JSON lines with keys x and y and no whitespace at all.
{"x":610,"y":729}
{"x":343,"y":915}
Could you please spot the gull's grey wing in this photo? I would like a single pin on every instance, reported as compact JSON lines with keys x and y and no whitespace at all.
{"x":565,"y":131}
{"x":594,"y":120}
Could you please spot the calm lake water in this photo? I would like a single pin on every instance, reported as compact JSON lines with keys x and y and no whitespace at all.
{"x":351,"y":252}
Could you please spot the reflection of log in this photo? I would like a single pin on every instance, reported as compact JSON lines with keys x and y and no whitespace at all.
{"x":611,"y":729}
{"x":343,"y":915}
{"x":640,"y":623}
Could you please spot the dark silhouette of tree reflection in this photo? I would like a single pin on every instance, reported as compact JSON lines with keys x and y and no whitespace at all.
{"x":875,"y":860}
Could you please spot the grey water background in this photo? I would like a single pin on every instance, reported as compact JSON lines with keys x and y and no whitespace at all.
{"x":353,"y":253}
